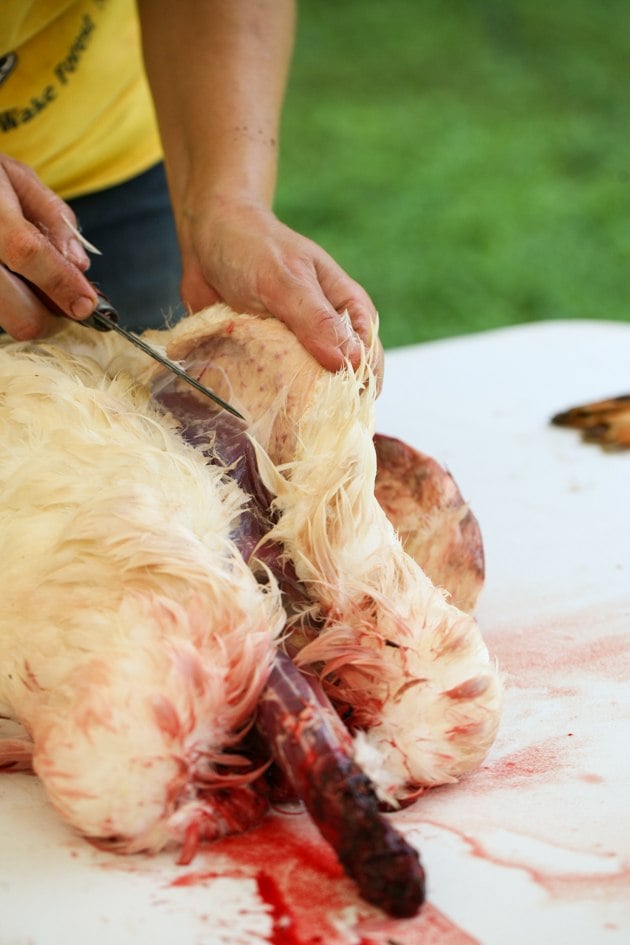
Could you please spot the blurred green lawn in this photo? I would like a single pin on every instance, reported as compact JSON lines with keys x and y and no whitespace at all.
{"x":468,"y":161}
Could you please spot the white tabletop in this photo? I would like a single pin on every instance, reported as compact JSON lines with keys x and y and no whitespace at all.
{"x":532,"y":848}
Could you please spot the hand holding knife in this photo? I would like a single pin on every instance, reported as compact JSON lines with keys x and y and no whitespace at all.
{"x":105,"y":318}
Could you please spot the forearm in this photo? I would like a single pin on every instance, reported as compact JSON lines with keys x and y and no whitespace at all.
{"x":218,"y":72}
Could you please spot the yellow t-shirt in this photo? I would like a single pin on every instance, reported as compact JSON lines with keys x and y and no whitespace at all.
{"x":74,"y":100}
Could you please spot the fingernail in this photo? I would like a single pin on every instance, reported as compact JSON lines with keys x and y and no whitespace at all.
{"x":349,"y":340}
{"x":351,"y":344}
{"x":77,"y":255}
{"x":354,"y":346}
{"x":83,"y":307}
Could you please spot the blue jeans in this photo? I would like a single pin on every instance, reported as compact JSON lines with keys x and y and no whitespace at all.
{"x":140,"y":270}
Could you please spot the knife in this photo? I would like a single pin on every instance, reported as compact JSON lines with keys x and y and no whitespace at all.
{"x":105,"y":318}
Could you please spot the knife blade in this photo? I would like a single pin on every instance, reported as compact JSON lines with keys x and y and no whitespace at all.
{"x":105,"y":318}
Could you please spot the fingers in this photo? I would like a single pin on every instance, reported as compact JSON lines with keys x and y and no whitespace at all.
{"x":325,"y":333}
{"x":329,"y":312}
{"x":24,"y":250}
{"x":22,"y":315}
{"x":37,"y":243}
{"x":42,"y":207}
{"x":364,"y":319}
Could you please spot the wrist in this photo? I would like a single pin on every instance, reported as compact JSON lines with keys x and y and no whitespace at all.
{"x":238,"y":170}
{"x":229,"y":204}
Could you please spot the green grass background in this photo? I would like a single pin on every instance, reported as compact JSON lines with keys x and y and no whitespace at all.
{"x":468,"y":161}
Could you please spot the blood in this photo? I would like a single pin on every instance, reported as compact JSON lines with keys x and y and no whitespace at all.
{"x":300,"y":880}
{"x":283,"y":930}
{"x":518,"y":768}
{"x":276,"y":841}
{"x":433,"y":928}
{"x":593,"y":641}
{"x":201,"y":877}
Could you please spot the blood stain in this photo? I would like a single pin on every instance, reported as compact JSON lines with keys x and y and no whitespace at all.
{"x":198,"y":878}
{"x":283,"y":931}
{"x":518,"y":768}
{"x":431,"y":927}
{"x":299,"y":877}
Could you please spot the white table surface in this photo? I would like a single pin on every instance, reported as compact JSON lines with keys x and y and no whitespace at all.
{"x":535,"y":846}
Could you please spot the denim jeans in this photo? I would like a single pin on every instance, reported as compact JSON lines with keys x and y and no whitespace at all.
{"x":139,"y":270}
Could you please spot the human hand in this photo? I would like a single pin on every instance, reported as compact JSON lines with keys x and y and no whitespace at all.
{"x":240,"y":253}
{"x":37,"y":243}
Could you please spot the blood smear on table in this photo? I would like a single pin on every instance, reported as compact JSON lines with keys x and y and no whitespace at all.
{"x":310,"y":900}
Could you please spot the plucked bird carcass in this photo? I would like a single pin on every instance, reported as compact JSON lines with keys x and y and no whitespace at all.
{"x":165,"y":568}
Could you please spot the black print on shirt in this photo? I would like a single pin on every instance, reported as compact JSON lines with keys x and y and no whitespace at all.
{"x":63,"y":71}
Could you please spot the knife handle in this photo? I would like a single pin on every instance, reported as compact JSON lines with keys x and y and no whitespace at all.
{"x":103,"y":315}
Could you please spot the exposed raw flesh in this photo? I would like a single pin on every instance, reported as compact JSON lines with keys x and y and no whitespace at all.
{"x":313,"y":748}
{"x":606,"y":422}
{"x":136,"y":641}
{"x":16,"y":749}
{"x":434,"y":524}
{"x":305,"y":736}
